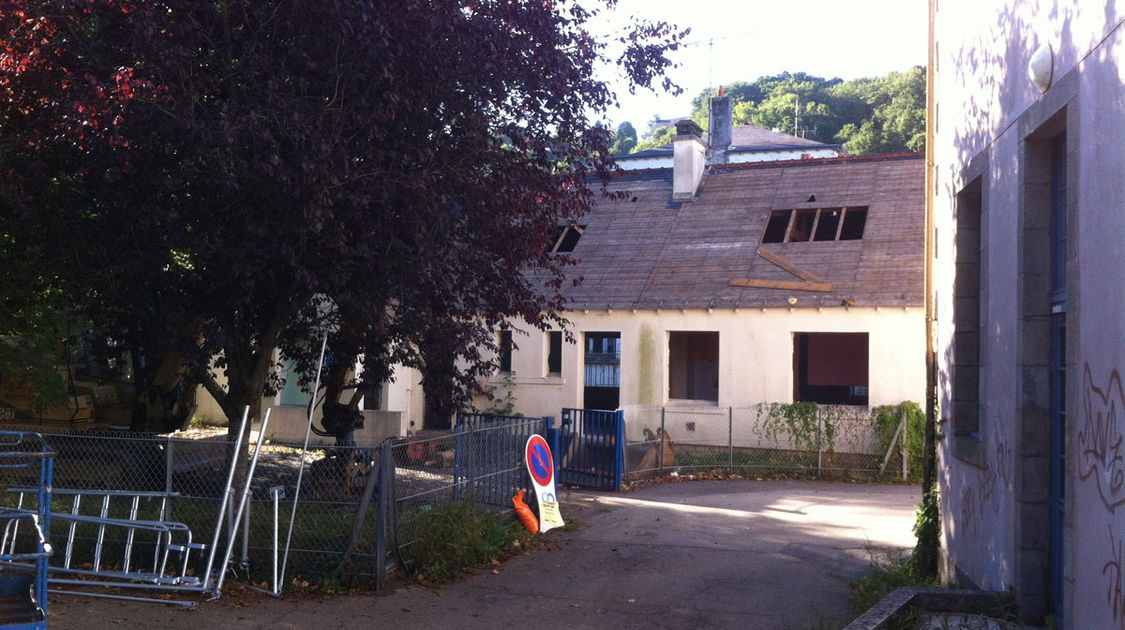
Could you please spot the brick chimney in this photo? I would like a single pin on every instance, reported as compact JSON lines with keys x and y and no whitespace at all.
{"x":688,"y":160}
{"x":722,"y":127}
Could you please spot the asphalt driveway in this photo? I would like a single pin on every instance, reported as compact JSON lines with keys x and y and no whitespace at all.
{"x":689,"y":554}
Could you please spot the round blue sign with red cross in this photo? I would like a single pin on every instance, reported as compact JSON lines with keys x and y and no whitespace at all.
{"x":539,"y":461}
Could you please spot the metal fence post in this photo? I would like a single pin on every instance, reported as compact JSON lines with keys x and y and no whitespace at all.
{"x":552,"y":440}
{"x":902,"y":444}
{"x":619,"y":452}
{"x":386,"y":474}
{"x":168,"y":461}
{"x":660,"y":445}
{"x":819,"y":447}
{"x":730,"y":440}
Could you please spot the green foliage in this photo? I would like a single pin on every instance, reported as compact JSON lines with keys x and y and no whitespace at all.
{"x":797,"y":420}
{"x":896,"y":119}
{"x":871,"y":115}
{"x":624,"y":139}
{"x":886,"y":578}
{"x":33,"y":346}
{"x":505,"y":404}
{"x":927,"y":529}
{"x":457,"y":536}
{"x":887,"y":419}
{"x":660,"y":138}
{"x":434,"y":150}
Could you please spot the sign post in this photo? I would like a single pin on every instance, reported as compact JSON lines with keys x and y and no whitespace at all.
{"x":541,"y":467}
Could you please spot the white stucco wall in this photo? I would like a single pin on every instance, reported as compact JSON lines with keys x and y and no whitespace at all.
{"x":755,"y":354}
{"x":986,"y":106}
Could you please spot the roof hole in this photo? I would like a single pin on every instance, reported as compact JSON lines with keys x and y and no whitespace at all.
{"x":811,"y":199}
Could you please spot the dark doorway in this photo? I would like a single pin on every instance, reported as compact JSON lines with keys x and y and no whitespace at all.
{"x":603,"y":371}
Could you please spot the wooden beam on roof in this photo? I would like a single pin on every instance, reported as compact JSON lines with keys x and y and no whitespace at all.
{"x":788,"y":266}
{"x":789,"y":285}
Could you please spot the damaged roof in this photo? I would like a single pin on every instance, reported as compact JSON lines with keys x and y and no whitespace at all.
{"x":645,"y":252}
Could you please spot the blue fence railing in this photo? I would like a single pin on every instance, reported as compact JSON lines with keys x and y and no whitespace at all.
{"x":588,"y":447}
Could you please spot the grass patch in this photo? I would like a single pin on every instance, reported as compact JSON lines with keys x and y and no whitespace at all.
{"x":889,"y":575}
{"x":457,"y":536}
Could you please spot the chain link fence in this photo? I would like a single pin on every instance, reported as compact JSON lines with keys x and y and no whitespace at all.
{"x":798,"y":439}
{"x":479,"y":463}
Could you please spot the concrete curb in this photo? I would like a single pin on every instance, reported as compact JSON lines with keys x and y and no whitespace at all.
{"x":934,"y":600}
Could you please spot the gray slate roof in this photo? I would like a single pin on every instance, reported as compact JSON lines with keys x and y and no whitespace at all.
{"x":750,"y":137}
{"x":645,"y":252}
{"x":744,"y":138}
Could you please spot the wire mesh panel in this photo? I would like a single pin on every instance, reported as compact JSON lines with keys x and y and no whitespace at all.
{"x":479,"y":465}
{"x":791,"y":438}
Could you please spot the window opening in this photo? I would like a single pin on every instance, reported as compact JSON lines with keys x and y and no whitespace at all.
{"x":815,"y":224}
{"x":828,"y":224}
{"x":569,"y":238}
{"x":966,"y":312}
{"x":291,"y":392}
{"x":801,"y":228}
{"x":373,"y":397}
{"x":777,"y":226}
{"x":554,"y":353}
{"x":830,"y":368}
{"x":693,"y":366}
{"x":854,"y":221}
{"x":505,"y":350}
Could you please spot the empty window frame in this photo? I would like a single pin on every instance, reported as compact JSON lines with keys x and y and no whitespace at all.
{"x":830,"y":368}
{"x":505,"y":351}
{"x":291,"y":393}
{"x":966,"y":359}
{"x":815,"y":224}
{"x":567,"y":238}
{"x":693,"y":366}
{"x":554,"y":353}
{"x":374,"y":397}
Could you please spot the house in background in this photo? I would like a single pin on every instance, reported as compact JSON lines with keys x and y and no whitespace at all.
{"x":718,"y":284}
{"x":1027,"y":190}
{"x":743,"y":143}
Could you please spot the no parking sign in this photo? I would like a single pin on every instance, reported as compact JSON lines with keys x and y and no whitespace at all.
{"x":541,"y":467}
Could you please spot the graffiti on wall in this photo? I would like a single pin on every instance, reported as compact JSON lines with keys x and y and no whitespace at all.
{"x":1101,"y":463}
{"x":1100,"y":439}
{"x":975,"y":497}
{"x":1115,"y":592}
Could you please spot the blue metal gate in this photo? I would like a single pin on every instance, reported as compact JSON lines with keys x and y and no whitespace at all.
{"x":591,"y":445}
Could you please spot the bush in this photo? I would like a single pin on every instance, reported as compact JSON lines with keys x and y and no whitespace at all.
{"x":887,"y":419}
{"x":458,"y":536}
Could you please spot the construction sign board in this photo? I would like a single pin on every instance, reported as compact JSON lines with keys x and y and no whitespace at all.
{"x":541,"y":467}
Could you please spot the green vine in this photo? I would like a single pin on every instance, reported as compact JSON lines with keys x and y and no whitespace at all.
{"x":887,"y":419}
{"x":927,"y":530}
{"x":799,"y":421}
{"x":503,"y":405}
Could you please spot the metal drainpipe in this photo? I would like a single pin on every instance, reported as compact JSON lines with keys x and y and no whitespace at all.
{"x":929,"y":458}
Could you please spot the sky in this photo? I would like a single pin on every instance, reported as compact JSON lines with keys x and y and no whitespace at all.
{"x":741,"y":40}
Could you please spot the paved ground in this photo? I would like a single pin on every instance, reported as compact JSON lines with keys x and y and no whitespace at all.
{"x":694,"y":554}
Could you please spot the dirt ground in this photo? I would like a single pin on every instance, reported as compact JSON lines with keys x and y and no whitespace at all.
{"x":714,"y":554}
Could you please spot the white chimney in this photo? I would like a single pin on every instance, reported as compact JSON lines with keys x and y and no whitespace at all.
{"x":688,"y":160}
